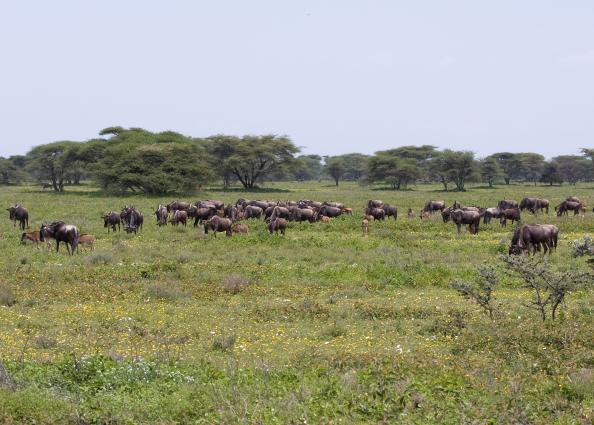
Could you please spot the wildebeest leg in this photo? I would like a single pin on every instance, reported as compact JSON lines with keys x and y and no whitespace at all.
{"x":458,"y":226}
{"x":57,"y":245}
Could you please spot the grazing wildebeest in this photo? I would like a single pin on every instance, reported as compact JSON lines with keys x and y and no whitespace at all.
{"x":391,"y":211}
{"x":61,"y":232}
{"x":20,"y":214}
{"x":512,"y":214}
{"x":472,"y":218}
{"x":161,"y":214}
{"x":230,"y":211}
{"x":302,"y":214}
{"x":253,"y":211}
{"x":132,"y":219}
{"x":565,"y":206}
{"x":178,"y":205}
{"x":573,"y":199}
{"x":203,"y":214}
{"x":531,"y":237}
{"x":376,"y":213}
{"x":338,"y":205}
{"x":179,"y":217}
{"x":490,"y":213}
{"x":375,"y":203}
{"x":276,"y":225}
{"x":534,"y":204}
{"x":330,"y":211}
{"x":240,"y":228}
{"x":219,"y":224}
{"x":433,"y":206}
{"x":279,"y":212}
{"x":31,"y":236}
{"x":86,"y":241}
{"x":111,"y":220}
{"x":506,"y":204}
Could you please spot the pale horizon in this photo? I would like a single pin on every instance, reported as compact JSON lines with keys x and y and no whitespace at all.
{"x":336,"y":77}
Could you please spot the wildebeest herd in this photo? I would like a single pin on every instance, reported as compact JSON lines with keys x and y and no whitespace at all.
{"x":216,"y":217}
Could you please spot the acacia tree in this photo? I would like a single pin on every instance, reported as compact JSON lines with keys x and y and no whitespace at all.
{"x":395,"y":171}
{"x":490,"y":170}
{"x":459,"y":166}
{"x":221,"y":147}
{"x":532,"y":166}
{"x":335,"y":167}
{"x":254,"y":157}
{"x":510,"y":165}
{"x":589,"y":153}
{"x":53,"y":162}
{"x":550,"y":173}
{"x":573,"y":168}
{"x":307,"y":167}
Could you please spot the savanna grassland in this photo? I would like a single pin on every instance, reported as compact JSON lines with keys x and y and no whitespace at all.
{"x":319,"y":326}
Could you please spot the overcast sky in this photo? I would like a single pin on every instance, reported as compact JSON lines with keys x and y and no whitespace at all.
{"x":336,"y":76}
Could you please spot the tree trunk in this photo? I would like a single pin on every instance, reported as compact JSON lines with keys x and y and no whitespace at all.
{"x":507,"y":180}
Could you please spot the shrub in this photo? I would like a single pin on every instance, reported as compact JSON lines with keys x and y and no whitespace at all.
{"x":7,"y":297}
{"x":481,"y":291}
{"x":100,"y":258}
{"x":44,"y":342}
{"x":549,"y":287}
{"x":234,"y":284}
{"x":585,"y":246}
{"x":224,"y":343}
{"x":166,"y":291}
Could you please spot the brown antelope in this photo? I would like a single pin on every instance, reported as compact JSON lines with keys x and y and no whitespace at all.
{"x":365,"y":227}
{"x":86,"y":241}
{"x":410,"y":213}
{"x":325,"y":219}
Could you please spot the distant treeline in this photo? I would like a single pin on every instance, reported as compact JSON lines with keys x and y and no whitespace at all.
{"x":138,"y":160}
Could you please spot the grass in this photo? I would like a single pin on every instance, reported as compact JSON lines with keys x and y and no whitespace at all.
{"x":319,"y":326}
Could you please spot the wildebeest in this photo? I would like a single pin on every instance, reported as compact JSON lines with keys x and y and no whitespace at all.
{"x":534,"y":204}
{"x":178,"y":205}
{"x":240,"y":228}
{"x":472,"y":218}
{"x":347,"y":211}
{"x":338,"y":205}
{"x":161,"y":214}
{"x":391,"y":211}
{"x":490,"y":213}
{"x":512,"y":214}
{"x":565,"y":206}
{"x":20,"y":214}
{"x":302,"y":214}
{"x":279,"y":212}
{"x":219,"y":224}
{"x":253,"y":211}
{"x":433,"y":206}
{"x":132,"y":219}
{"x":179,"y":217}
{"x":573,"y":199}
{"x":86,"y":241}
{"x":277,"y":225}
{"x":376,"y":213}
{"x":506,"y":204}
{"x":329,"y":211}
{"x":531,"y":237}
{"x":203,"y":214}
{"x":61,"y":232}
{"x":375,"y":203}
{"x":230,"y":211}
{"x":111,"y":220}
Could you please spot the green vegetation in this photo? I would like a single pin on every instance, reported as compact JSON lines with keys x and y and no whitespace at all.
{"x":319,"y":326}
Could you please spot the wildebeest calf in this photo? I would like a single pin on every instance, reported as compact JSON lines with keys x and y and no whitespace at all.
{"x":276,"y":225}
